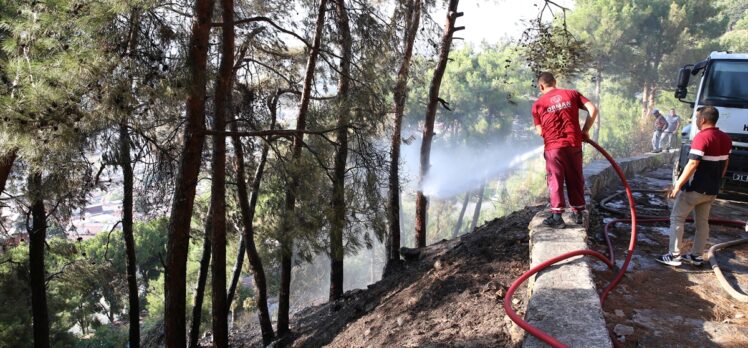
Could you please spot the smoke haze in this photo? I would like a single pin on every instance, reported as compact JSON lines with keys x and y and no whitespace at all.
{"x":458,"y":169}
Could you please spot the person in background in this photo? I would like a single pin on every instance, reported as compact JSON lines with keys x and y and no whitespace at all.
{"x":659,"y":125}
{"x":673,"y":124}
{"x":556,"y":118}
{"x":697,"y":187}
{"x":686,"y":131}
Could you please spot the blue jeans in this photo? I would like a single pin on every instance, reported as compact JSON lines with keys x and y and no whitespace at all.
{"x":656,"y":140}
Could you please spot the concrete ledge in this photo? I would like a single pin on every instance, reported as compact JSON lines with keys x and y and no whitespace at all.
{"x":563,"y":298}
{"x":600,"y":174}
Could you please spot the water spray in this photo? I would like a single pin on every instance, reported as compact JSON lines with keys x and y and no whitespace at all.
{"x":458,"y":169}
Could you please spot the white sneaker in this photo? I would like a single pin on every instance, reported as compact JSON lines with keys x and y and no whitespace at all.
{"x":670,"y":260}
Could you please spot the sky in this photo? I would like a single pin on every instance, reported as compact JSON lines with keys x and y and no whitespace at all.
{"x":492,"y":20}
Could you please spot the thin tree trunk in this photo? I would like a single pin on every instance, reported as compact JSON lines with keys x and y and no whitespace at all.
{"x":127,"y":232}
{"x":285,"y":236}
{"x":239,"y":262}
{"x":236,"y":272}
{"x":247,"y":209}
{"x":645,"y":100}
{"x":476,"y":213}
{"x":372,"y":261}
{"x":598,"y":96}
{"x":127,"y":201}
{"x":186,"y":180}
{"x":412,"y":20}
{"x":428,"y":129}
{"x":37,"y":240}
{"x":651,"y":98}
{"x":439,"y":211}
{"x":337,"y":227}
{"x":224,"y":81}
{"x":6,"y":164}
{"x":202,"y":277}
{"x":458,"y":226}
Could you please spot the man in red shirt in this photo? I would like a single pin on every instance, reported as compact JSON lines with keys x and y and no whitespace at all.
{"x":556,"y":118}
{"x":697,"y":187}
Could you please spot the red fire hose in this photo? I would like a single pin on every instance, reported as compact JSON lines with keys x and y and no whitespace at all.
{"x":610,"y":261}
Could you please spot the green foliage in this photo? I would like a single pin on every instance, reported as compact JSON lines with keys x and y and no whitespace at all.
{"x":87,"y":281}
{"x":736,"y":37}
{"x":619,"y":132}
{"x":548,"y":45}
{"x":486,"y":89}
{"x":106,"y":336}
{"x":15,"y":303}
{"x":604,"y":26}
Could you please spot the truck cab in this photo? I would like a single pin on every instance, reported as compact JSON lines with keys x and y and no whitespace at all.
{"x":723,"y":84}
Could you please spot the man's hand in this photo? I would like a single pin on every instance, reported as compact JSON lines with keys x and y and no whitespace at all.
{"x":585,"y":135}
{"x":673,"y":192}
{"x":539,"y":130}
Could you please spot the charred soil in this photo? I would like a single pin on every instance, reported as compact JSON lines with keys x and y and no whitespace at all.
{"x":451,"y":295}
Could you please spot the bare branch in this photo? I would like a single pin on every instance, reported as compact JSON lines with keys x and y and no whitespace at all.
{"x":268,"y":21}
{"x":269,"y":133}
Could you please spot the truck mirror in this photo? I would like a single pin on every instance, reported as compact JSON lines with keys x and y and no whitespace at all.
{"x":683,"y":77}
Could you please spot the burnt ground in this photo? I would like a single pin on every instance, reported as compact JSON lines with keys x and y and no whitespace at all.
{"x":661,"y":306}
{"x":451,"y":296}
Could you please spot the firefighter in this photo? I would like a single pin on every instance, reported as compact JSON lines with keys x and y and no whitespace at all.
{"x":556,"y":118}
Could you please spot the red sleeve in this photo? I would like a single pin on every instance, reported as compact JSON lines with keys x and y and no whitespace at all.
{"x":698,"y":147}
{"x":535,"y":114}
{"x":728,"y":144}
{"x":581,"y":100}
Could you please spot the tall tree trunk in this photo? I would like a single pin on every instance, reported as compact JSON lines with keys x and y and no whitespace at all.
{"x":598,"y":96}
{"x":127,"y":232}
{"x":247,"y":209}
{"x":224,"y":81}
{"x":127,"y":200}
{"x":6,"y":164}
{"x":476,"y":213}
{"x":37,"y":240}
{"x":285,"y":236}
{"x":177,"y":246}
{"x":202,"y":277}
{"x":337,"y":251}
{"x":428,"y":128}
{"x":412,"y":21}
{"x":458,"y":225}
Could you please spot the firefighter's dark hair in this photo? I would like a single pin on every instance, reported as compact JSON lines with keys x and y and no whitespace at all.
{"x":546,"y":79}
{"x":710,"y":114}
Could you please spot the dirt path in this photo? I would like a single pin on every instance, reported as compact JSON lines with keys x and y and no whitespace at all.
{"x":661,"y":306}
{"x":451,"y":296}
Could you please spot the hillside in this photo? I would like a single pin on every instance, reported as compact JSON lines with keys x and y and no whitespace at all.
{"x":450,"y":296}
